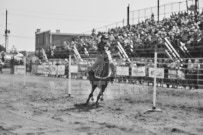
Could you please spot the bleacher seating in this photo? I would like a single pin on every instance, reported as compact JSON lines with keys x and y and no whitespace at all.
{"x":179,"y":28}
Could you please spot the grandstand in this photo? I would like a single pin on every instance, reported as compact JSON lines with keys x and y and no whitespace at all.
{"x":177,"y":36}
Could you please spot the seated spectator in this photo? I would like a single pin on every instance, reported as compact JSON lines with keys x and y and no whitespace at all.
{"x":179,"y":27}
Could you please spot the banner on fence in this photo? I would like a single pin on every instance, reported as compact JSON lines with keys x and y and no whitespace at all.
{"x":121,"y":70}
{"x":46,"y":69}
{"x":61,"y":70}
{"x":74,"y":68}
{"x":172,"y":74}
{"x":19,"y":70}
{"x":28,"y":68}
{"x":53,"y":69}
{"x":40,"y":69}
{"x":82,"y":68}
{"x":176,"y":74}
{"x":34,"y":69}
{"x":181,"y":75}
{"x":138,"y":71}
{"x":160,"y":72}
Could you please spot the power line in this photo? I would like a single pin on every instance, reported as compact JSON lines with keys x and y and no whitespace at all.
{"x":21,"y":36}
{"x":62,"y":13}
{"x":57,"y":18}
{"x":160,"y":5}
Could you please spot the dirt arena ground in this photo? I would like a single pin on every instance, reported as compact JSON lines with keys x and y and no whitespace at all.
{"x":43,"y":108}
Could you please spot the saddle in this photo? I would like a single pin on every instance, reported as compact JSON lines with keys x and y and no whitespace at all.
{"x":102,"y":72}
{"x":97,"y":74}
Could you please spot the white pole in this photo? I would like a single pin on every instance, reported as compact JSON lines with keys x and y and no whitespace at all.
{"x":69,"y":77}
{"x":155,"y":74}
{"x":25,"y":71}
{"x":154,"y":91}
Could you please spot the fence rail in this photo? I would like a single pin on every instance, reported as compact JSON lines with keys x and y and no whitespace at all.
{"x":186,"y":74}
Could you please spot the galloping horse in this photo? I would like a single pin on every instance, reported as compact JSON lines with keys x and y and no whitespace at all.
{"x":100,"y":78}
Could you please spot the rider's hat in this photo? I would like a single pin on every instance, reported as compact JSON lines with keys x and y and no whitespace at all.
{"x":104,"y":36}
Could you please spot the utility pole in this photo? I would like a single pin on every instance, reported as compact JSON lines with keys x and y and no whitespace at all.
{"x":128,"y":15}
{"x":187,"y":5}
{"x":196,"y":7}
{"x":6,"y":33}
{"x":158,"y":11}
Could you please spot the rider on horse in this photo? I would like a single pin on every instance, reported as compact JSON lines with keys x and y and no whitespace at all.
{"x":103,"y":51}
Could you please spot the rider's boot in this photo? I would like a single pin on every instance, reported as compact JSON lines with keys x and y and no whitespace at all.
{"x":113,"y":73}
{"x":112,"y":79}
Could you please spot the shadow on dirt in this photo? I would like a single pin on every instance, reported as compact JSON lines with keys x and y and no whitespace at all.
{"x":82,"y":107}
{"x":85,"y":108}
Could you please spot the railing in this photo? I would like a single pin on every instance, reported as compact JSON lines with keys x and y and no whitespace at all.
{"x":185,"y":74}
{"x":139,"y":15}
{"x":165,"y":11}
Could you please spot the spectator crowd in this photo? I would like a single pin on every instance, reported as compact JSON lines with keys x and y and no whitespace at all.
{"x":182,"y":27}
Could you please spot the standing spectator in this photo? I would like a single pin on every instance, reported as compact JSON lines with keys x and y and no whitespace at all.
{"x":165,"y":66}
{"x":30,"y":66}
{"x":191,"y":74}
{"x":201,"y":23}
{"x":196,"y":73}
{"x":1,"y":66}
{"x":12,"y":64}
{"x":2,"y":56}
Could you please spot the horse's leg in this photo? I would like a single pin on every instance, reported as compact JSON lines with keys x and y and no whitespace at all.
{"x":91,"y":94}
{"x":103,"y":87}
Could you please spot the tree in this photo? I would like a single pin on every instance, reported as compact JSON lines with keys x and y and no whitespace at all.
{"x":14,"y":50}
{"x":2,"y":48}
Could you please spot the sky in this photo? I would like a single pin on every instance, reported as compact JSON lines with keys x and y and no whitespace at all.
{"x":70,"y":16}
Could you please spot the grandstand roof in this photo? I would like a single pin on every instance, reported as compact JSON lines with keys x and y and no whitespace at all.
{"x":55,"y":33}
